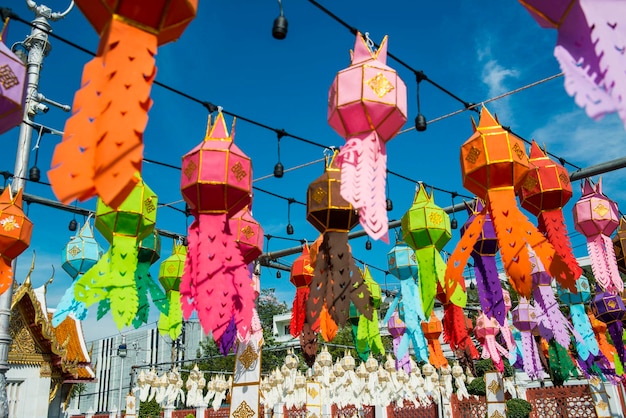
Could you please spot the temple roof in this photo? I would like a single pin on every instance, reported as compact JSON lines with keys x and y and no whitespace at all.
{"x":36,"y":341}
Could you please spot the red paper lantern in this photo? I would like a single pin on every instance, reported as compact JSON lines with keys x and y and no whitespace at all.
{"x":301,"y":276}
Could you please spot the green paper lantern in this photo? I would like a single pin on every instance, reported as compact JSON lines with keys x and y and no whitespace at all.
{"x":425,"y":224}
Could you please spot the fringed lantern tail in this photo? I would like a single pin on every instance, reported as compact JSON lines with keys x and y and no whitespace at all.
{"x":611,"y":260}
{"x":121,"y":284}
{"x":363,"y":162}
{"x":460,"y":256}
{"x":561,"y":364}
{"x":511,"y":226}
{"x":328,"y":327}
{"x":454,"y":329}
{"x":530,"y":354}
{"x":172,"y":323}
{"x":545,"y":299}
{"x":368,"y":337}
{"x":71,"y":175}
{"x":489,"y":287}
{"x":581,"y":323}
{"x":320,"y":284}
{"x":435,"y":354}
{"x":298,"y":311}
{"x":492,"y":350}
{"x":404,"y":361}
{"x":69,"y":305}
{"x":616,"y":332}
{"x":553,"y":224}
{"x":599,"y":263}
{"x":128,"y":53}
{"x":308,"y":343}
{"x":420,"y":346}
{"x":91,"y":288}
{"x":227,"y":340}
{"x":188,"y":292}
{"x":360,"y":341}
{"x":339,"y":266}
{"x":143,"y":306}
{"x":427,"y":277}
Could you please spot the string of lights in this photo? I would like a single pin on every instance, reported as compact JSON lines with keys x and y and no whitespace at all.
{"x":6,"y":12}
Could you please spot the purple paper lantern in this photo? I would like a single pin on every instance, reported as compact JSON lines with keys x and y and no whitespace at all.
{"x":12,"y":88}
{"x":610,"y":309}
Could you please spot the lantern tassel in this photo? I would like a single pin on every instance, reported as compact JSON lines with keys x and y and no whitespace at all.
{"x":227,"y":340}
{"x":6,"y":274}
{"x":454,"y":329}
{"x":545,"y":299}
{"x":431,"y":272}
{"x":599,"y":263}
{"x":145,"y":285}
{"x":611,"y":261}
{"x":553,"y":224}
{"x":460,"y":256}
{"x":298,"y":311}
{"x":121,"y":283}
{"x":308,"y":343}
{"x":492,"y":350}
{"x":616,"y":332}
{"x":412,"y":317}
{"x":328,"y":327}
{"x":191,"y":268}
{"x":222,"y":286}
{"x":69,"y":305}
{"x":402,"y":361}
{"x":363,"y":163}
{"x":172,"y":323}
{"x":532,"y":362}
{"x":561,"y":364}
{"x":435,"y":354}
{"x":514,"y":232}
{"x":368,"y":337}
{"x":489,"y":287}
{"x":588,"y":345}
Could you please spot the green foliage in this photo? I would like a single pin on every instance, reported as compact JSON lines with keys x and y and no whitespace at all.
{"x":518,"y":408}
{"x":77,"y":389}
{"x":190,"y":416}
{"x":150,"y":409}
{"x":477,"y":387}
{"x":486,"y":365}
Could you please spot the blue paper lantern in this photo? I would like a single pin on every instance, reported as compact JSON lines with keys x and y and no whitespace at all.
{"x":82,"y":252}
{"x":401,"y":261}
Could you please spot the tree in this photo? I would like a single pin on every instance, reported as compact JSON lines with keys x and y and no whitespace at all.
{"x":268,"y":306}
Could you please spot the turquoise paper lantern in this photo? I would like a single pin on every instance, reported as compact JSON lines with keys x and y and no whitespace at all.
{"x":82,"y":252}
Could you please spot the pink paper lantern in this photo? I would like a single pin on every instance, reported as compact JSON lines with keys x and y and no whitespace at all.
{"x":12,"y":87}
{"x":248,"y":234}
{"x":367,"y":106}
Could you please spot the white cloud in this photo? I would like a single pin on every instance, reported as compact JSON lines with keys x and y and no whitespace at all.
{"x":495,"y":76}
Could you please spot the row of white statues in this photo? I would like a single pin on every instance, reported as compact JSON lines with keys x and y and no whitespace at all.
{"x":342,"y":382}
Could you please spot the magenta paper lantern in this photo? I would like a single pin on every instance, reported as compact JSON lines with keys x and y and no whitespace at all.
{"x":597,"y":217}
{"x":12,"y":87}
{"x":367,"y":106}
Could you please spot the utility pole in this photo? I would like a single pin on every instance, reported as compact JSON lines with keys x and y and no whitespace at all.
{"x":38,"y":48}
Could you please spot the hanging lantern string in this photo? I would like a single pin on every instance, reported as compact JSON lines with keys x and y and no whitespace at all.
{"x":5,"y":12}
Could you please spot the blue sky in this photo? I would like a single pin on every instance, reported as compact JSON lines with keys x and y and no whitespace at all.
{"x":227,"y":56}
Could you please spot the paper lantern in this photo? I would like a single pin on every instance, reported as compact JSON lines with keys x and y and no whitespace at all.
{"x":13,"y":86}
{"x":367,"y":106}
{"x":216,"y":183}
{"x":248,"y":234}
{"x":485,"y":331}
{"x":587,"y":345}
{"x":596,"y":217}
{"x":15,"y":232}
{"x":170,"y":274}
{"x":336,"y":279}
{"x":426,"y":229}
{"x":80,"y":254}
{"x":365,"y":332}
{"x":609,"y":308}
{"x":432,"y":330}
{"x":493,"y":161}
{"x":102,"y":145}
{"x":402,"y":263}
{"x":588,"y":50}
{"x":525,"y":320}
{"x":301,"y":276}
{"x":397,"y":328}
{"x":545,"y":190}
{"x":112,"y":279}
